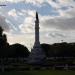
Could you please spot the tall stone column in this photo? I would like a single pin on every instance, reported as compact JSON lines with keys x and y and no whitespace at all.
{"x":37,"y":41}
{"x":37,"y":29}
{"x":37,"y":54}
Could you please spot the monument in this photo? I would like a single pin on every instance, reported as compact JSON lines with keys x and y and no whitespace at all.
{"x":37,"y":54}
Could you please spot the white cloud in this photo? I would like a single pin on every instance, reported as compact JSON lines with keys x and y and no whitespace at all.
{"x":36,"y":2}
{"x":40,"y":1}
{"x":66,"y":1}
{"x":29,"y":20}
{"x":26,"y":1}
{"x":65,"y":21}
{"x":25,"y":39}
{"x":27,"y":26}
{"x":13,"y":13}
{"x":28,"y":12}
{"x":31,"y":13}
{"x":14,"y":1}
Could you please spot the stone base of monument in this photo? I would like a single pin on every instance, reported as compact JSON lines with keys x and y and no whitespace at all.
{"x":37,"y":56}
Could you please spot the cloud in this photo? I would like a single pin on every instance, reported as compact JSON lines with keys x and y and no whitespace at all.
{"x":36,"y":2}
{"x":3,"y":23}
{"x":14,"y":1}
{"x":26,"y":1}
{"x":28,"y":23}
{"x":20,"y":15}
{"x":60,"y":23}
{"x":65,"y":22}
{"x":27,"y":17}
{"x":66,"y":1}
{"x":57,"y":34}
{"x":27,"y":26}
{"x":71,"y":12}
{"x":31,"y":13}
{"x":12,"y":12}
{"x":54,"y":3}
{"x":25,"y":39}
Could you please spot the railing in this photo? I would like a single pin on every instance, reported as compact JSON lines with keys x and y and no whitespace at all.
{"x":60,"y":57}
{"x":20,"y":63}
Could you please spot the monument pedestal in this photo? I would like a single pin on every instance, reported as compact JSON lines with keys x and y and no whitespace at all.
{"x":37,"y":55}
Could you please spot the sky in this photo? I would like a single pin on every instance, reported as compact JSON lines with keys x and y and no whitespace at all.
{"x":57,"y":20}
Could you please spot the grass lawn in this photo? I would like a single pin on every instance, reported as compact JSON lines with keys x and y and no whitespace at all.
{"x":44,"y":72}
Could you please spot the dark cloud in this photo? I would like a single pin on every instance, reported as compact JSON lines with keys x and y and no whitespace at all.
{"x":56,"y":34}
{"x":3,"y":23}
{"x":60,"y":23}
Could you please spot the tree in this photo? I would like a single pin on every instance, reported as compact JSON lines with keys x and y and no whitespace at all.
{"x":47,"y":49}
{"x":18,"y":50}
{"x":3,"y":44}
